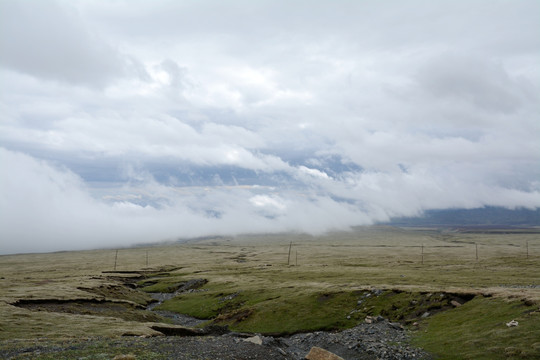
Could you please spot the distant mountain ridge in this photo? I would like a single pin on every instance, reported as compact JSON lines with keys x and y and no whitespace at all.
{"x":487,"y":216}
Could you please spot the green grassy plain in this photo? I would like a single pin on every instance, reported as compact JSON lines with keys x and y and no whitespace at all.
{"x":255,"y":286}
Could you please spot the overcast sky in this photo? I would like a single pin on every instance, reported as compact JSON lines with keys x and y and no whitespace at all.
{"x":134,"y":121}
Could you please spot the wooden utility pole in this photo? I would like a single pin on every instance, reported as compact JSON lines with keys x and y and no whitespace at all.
{"x":422,"y":254}
{"x":289,"y":258}
{"x":115,"y":258}
{"x":146,"y":258}
{"x":527,"y":248}
{"x":476,"y":245}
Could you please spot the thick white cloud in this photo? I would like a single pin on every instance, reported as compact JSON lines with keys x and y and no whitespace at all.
{"x":353,"y":112}
{"x":46,"y":40}
{"x":46,"y":208}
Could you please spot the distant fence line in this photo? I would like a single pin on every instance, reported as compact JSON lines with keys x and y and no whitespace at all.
{"x":527,"y":249}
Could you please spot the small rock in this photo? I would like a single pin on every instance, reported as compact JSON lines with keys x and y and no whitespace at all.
{"x":512,"y":323}
{"x":426,"y":314}
{"x":373,"y":319}
{"x":125,"y":357}
{"x":317,"y":353}
{"x":255,"y":340}
{"x":454,"y":303}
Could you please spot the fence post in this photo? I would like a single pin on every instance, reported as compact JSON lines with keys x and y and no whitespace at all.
{"x":476,"y":245}
{"x":115,"y":258}
{"x":422,"y":254}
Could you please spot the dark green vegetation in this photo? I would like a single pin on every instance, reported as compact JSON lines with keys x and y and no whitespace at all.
{"x":280,"y":312}
{"x":287,"y":310}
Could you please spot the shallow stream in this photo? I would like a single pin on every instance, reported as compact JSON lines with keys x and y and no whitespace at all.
{"x":177,"y":319}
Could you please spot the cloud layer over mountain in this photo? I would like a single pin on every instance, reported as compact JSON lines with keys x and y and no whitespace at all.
{"x":136,"y":121}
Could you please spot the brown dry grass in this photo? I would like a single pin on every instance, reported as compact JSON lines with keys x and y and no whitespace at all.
{"x":370,"y":257}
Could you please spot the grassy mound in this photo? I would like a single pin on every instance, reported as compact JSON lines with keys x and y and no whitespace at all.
{"x":478,"y":330}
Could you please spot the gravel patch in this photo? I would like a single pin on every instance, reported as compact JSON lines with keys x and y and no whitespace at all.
{"x":379,"y":340}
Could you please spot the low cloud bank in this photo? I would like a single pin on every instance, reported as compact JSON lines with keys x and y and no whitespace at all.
{"x":49,"y":208}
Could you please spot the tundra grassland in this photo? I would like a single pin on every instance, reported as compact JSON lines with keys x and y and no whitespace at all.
{"x":288,"y":283}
